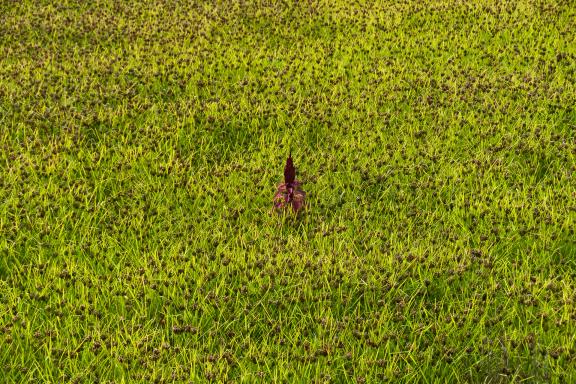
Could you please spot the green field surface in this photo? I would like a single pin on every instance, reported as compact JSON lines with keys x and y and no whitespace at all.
{"x":142,"y":142}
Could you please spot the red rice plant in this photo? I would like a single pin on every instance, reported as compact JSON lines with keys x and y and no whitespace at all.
{"x":289,"y":193}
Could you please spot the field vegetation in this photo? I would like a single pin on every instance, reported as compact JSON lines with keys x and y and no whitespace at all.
{"x":141,"y":144}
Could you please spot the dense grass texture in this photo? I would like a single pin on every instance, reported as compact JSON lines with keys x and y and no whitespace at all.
{"x":141,"y":144}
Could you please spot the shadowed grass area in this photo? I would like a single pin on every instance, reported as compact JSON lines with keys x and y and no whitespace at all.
{"x":141,"y":144}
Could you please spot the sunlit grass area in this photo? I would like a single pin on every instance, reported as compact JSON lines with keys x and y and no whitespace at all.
{"x":141,"y":144}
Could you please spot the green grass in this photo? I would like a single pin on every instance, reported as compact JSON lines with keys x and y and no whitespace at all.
{"x":140,"y":147}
